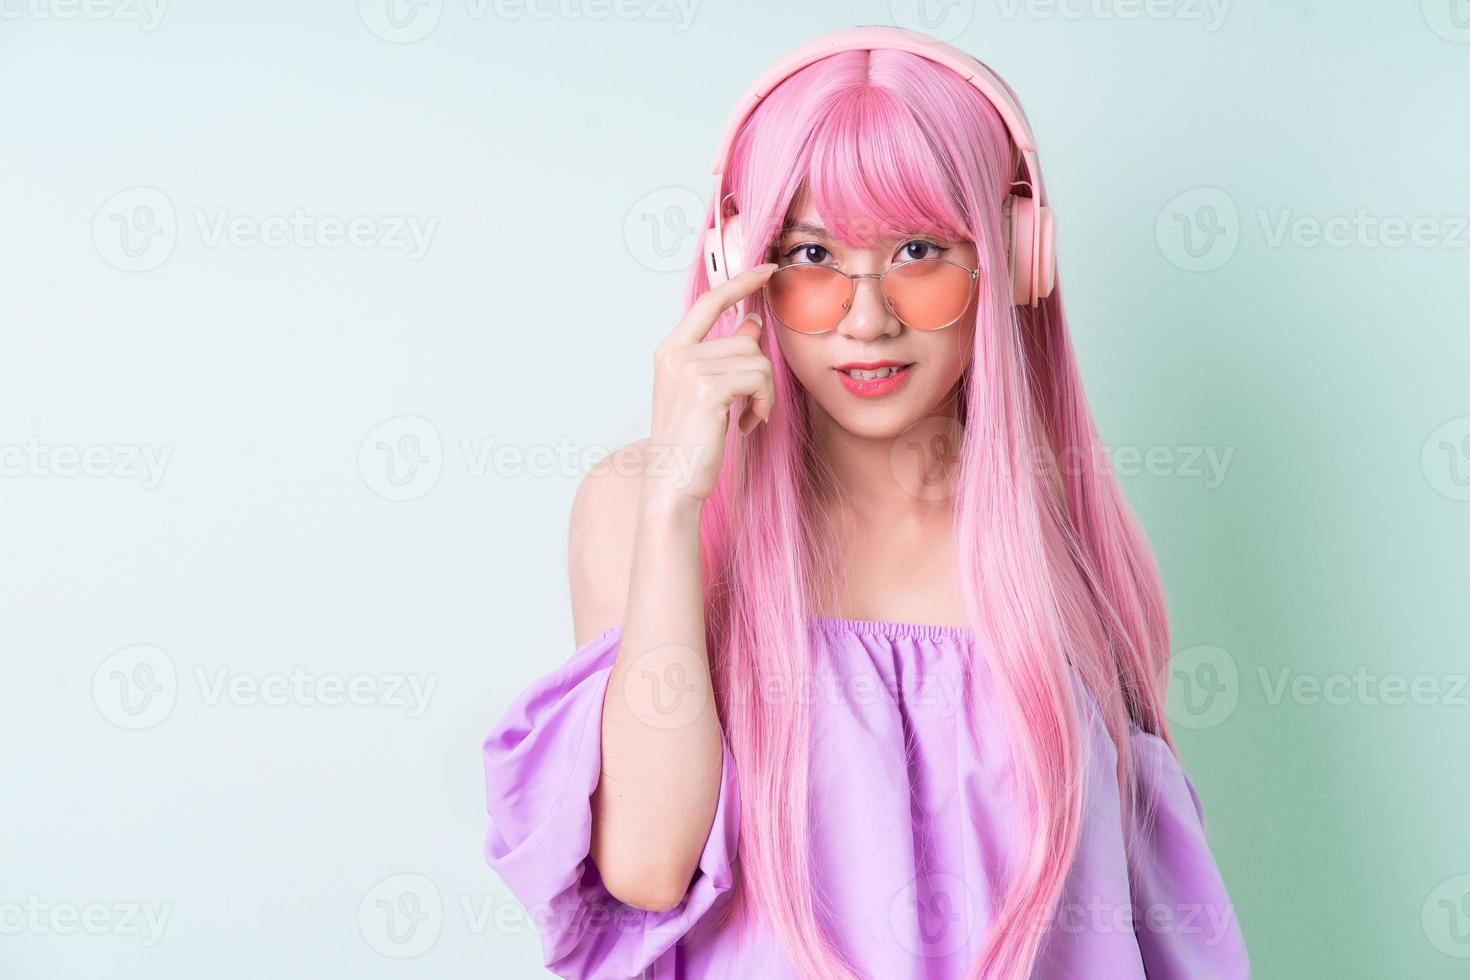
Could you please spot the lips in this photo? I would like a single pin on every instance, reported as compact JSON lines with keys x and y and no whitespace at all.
{"x":872,"y":379}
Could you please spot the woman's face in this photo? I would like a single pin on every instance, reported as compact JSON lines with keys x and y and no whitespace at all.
{"x":931,"y":361}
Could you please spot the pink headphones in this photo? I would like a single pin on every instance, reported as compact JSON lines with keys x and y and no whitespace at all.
{"x":1030,"y":229}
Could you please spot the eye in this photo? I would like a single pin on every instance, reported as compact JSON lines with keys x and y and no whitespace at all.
{"x":807,"y":253}
{"x":920,"y":248}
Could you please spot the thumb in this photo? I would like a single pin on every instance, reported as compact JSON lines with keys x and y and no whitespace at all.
{"x":751,"y":326}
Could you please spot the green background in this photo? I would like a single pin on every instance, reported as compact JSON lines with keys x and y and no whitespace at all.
{"x":563,"y":151}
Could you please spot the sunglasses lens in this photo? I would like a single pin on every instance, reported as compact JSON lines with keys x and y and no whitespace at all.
{"x":808,"y":298}
{"x":928,"y":294}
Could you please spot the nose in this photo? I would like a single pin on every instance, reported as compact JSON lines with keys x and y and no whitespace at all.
{"x":868,"y":316}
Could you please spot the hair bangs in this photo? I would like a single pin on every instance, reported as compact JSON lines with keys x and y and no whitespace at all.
{"x":875,"y":174}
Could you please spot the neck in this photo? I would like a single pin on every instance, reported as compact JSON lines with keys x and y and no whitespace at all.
{"x":895,"y":478}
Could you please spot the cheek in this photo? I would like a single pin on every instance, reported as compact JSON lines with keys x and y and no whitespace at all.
{"x":951,"y":351}
{"x":803,"y":356}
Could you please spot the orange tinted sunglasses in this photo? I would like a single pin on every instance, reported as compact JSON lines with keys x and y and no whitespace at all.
{"x":925,"y":294}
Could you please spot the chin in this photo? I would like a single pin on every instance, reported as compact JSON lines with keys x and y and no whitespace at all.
{"x":887,"y":421}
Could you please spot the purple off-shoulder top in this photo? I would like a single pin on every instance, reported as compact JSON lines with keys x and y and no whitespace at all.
{"x":913,"y":826}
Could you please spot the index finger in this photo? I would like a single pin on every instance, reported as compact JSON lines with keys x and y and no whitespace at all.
{"x":700,"y":318}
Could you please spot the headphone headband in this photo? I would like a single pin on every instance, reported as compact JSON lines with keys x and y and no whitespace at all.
{"x":871,"y":37}
{"x":1029,"y":226}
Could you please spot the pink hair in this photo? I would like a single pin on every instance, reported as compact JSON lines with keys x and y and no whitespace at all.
{"x":1059,"y":581}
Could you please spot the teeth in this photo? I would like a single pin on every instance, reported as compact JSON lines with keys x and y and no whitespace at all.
{"x":882,"y":372}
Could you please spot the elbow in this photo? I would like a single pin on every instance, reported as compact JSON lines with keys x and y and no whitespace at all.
{"x":645,"y":888}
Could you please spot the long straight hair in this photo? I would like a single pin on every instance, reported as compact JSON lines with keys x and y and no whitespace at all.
{"x":1059,"y":583}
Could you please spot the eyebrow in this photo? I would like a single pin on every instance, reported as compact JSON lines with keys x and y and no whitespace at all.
{"x":805,"y":228}
{"x":813,"y":228}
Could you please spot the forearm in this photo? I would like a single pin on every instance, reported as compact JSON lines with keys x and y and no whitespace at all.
{"x":661,"y":757}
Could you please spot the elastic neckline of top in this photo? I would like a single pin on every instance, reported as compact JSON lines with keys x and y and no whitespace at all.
{"x":886,"y":627}
{"x":869,"y":627}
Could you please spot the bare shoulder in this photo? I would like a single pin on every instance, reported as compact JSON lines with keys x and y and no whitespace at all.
{"x":600,"y":545}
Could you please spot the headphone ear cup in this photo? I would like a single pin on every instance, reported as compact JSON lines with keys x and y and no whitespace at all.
{"x":734,"y":253}
{"x":1046,"y":254}
{"x":1021,"y":237}
{"x":714,"y":256}
{"x":722,"y":250}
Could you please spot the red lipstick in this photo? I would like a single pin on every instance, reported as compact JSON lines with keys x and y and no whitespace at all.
{"x":874,"y":387}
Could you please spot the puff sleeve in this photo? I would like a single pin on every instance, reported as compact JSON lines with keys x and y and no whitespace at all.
{"x":1184,"y":921}
{"x":542,"y":763}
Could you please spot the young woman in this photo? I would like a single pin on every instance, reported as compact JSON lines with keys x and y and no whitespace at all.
{"x":872,"y":652}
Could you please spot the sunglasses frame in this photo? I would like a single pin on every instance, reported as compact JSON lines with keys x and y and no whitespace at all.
{"x":853,"y":277}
